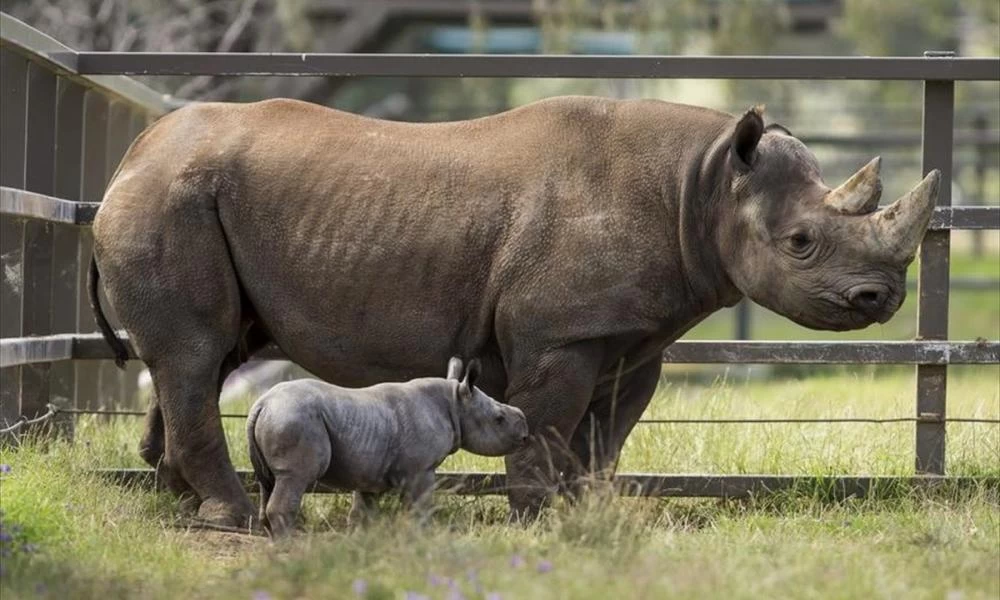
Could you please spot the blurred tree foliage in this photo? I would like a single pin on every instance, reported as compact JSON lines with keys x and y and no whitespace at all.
{"x":173,"y":26}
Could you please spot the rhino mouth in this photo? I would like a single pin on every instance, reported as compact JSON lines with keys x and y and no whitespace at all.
{"x":837,"y":312}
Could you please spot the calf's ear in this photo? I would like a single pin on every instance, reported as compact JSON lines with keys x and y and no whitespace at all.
{"x":454,"y":368}
{"x":472,"y":374}
{"x":746,"y":136}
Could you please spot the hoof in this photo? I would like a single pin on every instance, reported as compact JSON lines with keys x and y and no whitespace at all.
{"x":523,"y":517}
{"x":226,"y":514}
{"x":190,"y":503}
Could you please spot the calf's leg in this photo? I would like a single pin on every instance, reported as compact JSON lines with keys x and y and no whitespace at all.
{"x":418,"y":495}
{"x":362,"y":508}
{"x":283,"y":506}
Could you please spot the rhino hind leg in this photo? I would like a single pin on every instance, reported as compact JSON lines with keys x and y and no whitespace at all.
{"x":167,"y":271}
{"x":598,"y":439}
{"x":282,"y":511}
{"x":554,"y":408}
{"x":152,"y":449}
{"x":152,"y":446}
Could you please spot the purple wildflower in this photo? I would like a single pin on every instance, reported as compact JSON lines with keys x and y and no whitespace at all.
{"x":545,"y":566}
{"x":494,"y":596}
{"x":455,"y":594}
{"x":435,"y":580}
{"x":261,"y":595}
{"x":5,"y":469}
{"x":473,"y":575}
{"x":360,"y":587}
{"x":517,"y":561}
{"x":5,"y":537}
{"x":415,"y":596}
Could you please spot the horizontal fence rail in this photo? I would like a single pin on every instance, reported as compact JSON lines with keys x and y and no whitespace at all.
{"x":62,"y":60}
{"x":926,"y":418}
{"x":22,"y":203}
{"x":21,"y":351}
{"x":537,"y":66}
{"x":649,"y":485}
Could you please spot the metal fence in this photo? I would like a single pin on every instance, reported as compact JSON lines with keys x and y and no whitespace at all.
{"x":68,"y":117}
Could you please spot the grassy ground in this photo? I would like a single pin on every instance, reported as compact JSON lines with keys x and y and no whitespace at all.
{"x":76,"y":536}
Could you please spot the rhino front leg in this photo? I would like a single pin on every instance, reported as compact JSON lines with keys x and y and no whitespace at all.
{"x":553,"y":389}
{"x":598,"y":440}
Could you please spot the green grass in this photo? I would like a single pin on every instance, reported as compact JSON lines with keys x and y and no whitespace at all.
{"x":97,"y":540}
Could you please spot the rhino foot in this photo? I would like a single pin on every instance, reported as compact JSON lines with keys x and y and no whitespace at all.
{"x":227,"y":514}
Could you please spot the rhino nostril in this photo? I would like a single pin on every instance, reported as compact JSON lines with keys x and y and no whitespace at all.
{"x":868,"y":299}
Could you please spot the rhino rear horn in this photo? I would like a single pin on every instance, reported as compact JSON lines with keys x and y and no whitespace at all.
{"x":901,"y":225}
{"x":860,"y":194}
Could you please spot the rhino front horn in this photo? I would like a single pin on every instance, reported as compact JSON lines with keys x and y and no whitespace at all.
{"x":860,"y":194}
{"x":901,"y":226}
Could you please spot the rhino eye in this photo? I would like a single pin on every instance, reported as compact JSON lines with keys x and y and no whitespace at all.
{"x":499,"y":419}
{"x":800,"y":244}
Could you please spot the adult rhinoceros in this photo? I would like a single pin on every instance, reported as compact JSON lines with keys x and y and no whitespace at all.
{"x":565,"y":243}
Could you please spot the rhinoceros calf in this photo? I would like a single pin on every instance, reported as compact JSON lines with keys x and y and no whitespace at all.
{"x":390,"y":436}
{"x":566,"y":243}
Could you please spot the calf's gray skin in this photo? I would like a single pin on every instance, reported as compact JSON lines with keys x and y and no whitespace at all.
{"x":390,"y":436}
{"x":565,"y":242}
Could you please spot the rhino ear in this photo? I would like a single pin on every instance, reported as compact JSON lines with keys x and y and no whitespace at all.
{"x":746,"y":137}
{"x":454,"y":368}
{"x":472,"y":373}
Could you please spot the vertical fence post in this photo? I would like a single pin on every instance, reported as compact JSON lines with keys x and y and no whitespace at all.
{"x":932,"y":310}
{"x":65,"y":253}
{"x":742,"y":313}
{"x":112,"y":379}
{"x":13,"y":108}
{"x":95,"y":135}
{"x":979,"y":125}
{"x":36,"y":307}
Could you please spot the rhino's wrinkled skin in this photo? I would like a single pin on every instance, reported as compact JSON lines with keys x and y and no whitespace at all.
{"x":562,"y":242}
{"x":390,"y":436}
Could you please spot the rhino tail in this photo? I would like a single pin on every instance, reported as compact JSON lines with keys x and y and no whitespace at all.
{"x":260,"y":469}
{"x":117,"y":345}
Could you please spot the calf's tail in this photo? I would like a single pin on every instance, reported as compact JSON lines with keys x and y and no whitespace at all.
{"x":117,"y":345}
{"x":260,"y":469}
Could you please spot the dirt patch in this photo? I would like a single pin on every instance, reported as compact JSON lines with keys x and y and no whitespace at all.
{"x":222,"y":545}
